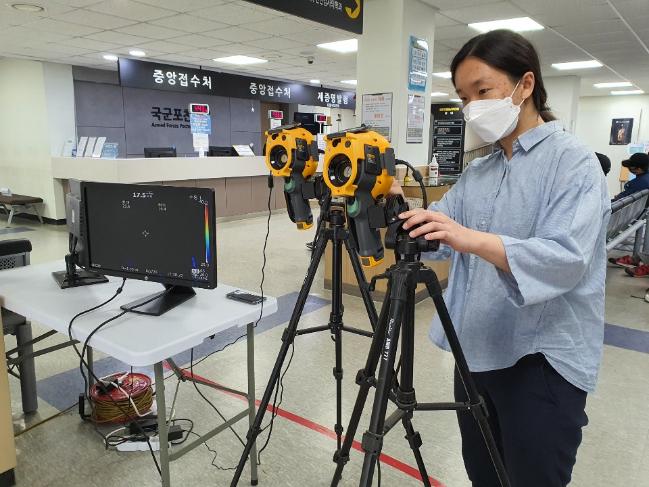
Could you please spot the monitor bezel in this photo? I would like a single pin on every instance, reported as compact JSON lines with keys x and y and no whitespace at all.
{"x":171,"y":281}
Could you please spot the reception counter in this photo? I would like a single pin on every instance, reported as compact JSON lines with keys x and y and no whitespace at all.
{"x":240,"y":183}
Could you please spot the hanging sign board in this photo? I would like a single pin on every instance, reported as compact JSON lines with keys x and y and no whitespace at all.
{"x":343,"y":14}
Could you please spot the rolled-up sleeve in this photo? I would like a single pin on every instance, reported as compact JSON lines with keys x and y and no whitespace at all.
{"x":555,"y":258}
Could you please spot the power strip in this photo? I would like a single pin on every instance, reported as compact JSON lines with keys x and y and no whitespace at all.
{"x":140,"y":445}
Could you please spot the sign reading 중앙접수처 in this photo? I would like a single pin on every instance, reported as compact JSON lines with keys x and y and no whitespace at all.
{"x":156,"y":76}
{"x":343,"y":14}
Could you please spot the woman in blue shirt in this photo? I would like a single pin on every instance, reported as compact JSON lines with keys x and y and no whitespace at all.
{"x":525,"y":229}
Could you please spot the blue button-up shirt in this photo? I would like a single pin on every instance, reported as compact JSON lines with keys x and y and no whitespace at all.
{"x":550,"y":206}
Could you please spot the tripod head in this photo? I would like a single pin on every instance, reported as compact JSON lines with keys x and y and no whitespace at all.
{"x":397,"y":238}
{"x":359,"y":168}
{"x":292,"y":153}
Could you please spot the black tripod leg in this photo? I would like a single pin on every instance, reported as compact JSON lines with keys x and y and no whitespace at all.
{"x":336,"y":324}
{"x":478,"y":407}
{"x":363,"y":286}
{"x":365,"y":379}
{"x":414,"y":440}
{"x":287,"y":339}
{"x":373,"y":437}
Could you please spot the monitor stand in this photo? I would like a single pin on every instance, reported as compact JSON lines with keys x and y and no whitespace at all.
{"x":73,"y":277}
{"x":157,"y":304}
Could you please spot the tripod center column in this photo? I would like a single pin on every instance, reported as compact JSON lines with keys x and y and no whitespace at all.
{"x":394,"y":68}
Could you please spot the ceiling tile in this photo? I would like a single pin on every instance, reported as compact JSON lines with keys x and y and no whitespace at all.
{"x":237,"y":34}
{"x":282,"y":26}
{"x":184,"y":5}
{"x":93,"y":19}
{"x":277,"y":43}
{"x":131,"y":10}
{"x":483,"y":13}
{"x":119,"y":38}
{"x":233,"y":14}
{"x":196,"y":40}
{"x":60,"y":27}
{"x":19,"y":33}
{"x":89,"y":44}
{"x":163,"y":46}
{"x":190,"y":23}
{"x":151,"y":31}
{"x":315,"y":36}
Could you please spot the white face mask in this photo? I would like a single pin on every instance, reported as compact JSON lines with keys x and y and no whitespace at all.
{"x":492,"y":120}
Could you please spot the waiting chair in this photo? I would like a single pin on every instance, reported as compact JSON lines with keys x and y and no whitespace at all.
{"x":15,"y":253}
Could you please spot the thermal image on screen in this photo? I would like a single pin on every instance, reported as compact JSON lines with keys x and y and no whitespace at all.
{"x":162,"y":232}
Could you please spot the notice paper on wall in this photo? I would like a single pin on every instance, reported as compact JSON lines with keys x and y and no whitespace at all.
{"x":416,"y":113}
{"x":81,"y":146}
{"x":243,"y":150}
{"x":90,"y":147}
{"x":99,"y":146}
{"x":377,"y":113}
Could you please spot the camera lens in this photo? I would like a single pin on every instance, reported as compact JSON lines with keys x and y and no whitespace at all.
{"x":340,"y":170}
{"x":278,"y":157}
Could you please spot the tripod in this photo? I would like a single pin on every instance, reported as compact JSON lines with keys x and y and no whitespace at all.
{"x":398,"y":317}
{"x":331,"y":228}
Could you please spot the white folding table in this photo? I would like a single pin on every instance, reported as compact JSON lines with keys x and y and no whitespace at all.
{"x":135,"y":339}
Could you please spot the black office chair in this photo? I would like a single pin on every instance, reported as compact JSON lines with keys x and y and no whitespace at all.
{"x":15,"y":253}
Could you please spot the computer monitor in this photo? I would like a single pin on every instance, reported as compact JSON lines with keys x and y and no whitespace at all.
{"x":153,"y":233}
{"x":74,"y":275}
{"x":159,"y":152}
{"x":222,"y":151}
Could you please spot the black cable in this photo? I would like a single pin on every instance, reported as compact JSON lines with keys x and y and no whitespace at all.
{"x":91,"y":372}
{"x":214,"y":453}
{"x":50,"y":418}
{"x":231,"y":428}
{"x":417,"y":175}
{"x":261,"y":284}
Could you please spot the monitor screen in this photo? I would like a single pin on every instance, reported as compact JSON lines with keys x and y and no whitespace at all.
{"x":156,"y":233}
{"x":159,"y":152}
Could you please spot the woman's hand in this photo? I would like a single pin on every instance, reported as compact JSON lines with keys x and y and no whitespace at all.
{"x":438,"y":226}
{"x":395,"y":189}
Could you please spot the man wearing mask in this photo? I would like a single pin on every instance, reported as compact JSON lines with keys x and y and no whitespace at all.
{"x":526,"y":231}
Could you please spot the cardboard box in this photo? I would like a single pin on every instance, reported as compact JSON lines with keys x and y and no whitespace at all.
{"x":7,"y":447}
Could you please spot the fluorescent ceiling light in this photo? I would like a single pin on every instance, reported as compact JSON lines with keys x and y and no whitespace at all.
{"x":519,"y":24}
{"x":577,"y":65}
{"x":344,"y":47}
{"x":455,"y":100}
{"x":240,"y":60}
{"x":27,"y":7}
{"x":349,"y":82}
{"x":315,"y":81}
{"x":443,"y":74}
{"x":627,"y":92}
{"x":438,"y":93}
{"x":616,"y":84}
{"x":110,"y":57}
{"x":137,"y":53}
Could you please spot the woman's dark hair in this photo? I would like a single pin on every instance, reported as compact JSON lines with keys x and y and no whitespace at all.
{"x":512,"y":53}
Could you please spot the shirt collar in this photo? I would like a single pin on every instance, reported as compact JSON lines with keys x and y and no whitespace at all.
{"x":533,"y":136}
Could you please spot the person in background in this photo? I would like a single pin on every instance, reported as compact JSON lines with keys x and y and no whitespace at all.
{"x":638,"y":164}
{"x":605,"y":162}
{"x":525,"y":228}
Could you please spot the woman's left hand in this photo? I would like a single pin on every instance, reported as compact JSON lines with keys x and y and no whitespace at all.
{"x":438,"y":226}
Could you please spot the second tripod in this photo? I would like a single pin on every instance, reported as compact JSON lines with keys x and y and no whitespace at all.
{"x":332,"y":228}
{"x":397,"y":320}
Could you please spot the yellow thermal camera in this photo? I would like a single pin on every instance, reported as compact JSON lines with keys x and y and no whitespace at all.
{"x":360,"y":167}
{"x":292,"y":153}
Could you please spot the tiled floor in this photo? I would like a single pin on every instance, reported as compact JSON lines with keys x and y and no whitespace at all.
{"x":67,"y":452}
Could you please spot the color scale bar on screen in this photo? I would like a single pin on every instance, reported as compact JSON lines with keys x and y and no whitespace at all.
{"x":208,"y":257}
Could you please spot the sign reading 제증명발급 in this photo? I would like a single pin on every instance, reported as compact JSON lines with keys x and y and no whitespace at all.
{"x":343,"y":14}
{"x":166,"y":77}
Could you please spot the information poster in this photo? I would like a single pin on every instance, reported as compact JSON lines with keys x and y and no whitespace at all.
{"x":416,"y":113}
{"x":448,"y":137}
{"x":377,"y":113}
{"x":621,"y":129}
{"x":418,"y":65}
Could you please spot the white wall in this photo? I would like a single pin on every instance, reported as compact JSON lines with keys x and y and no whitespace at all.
{"x":563,"y":99}
{"x":594,"y":127}
{"x":40,"y":98}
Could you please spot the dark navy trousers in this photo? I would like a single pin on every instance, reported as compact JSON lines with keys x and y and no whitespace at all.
{"x":536,"y":417}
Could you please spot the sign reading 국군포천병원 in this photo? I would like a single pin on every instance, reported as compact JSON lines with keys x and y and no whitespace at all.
{"x":343,"y":14}
{"x":166,"y":77}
